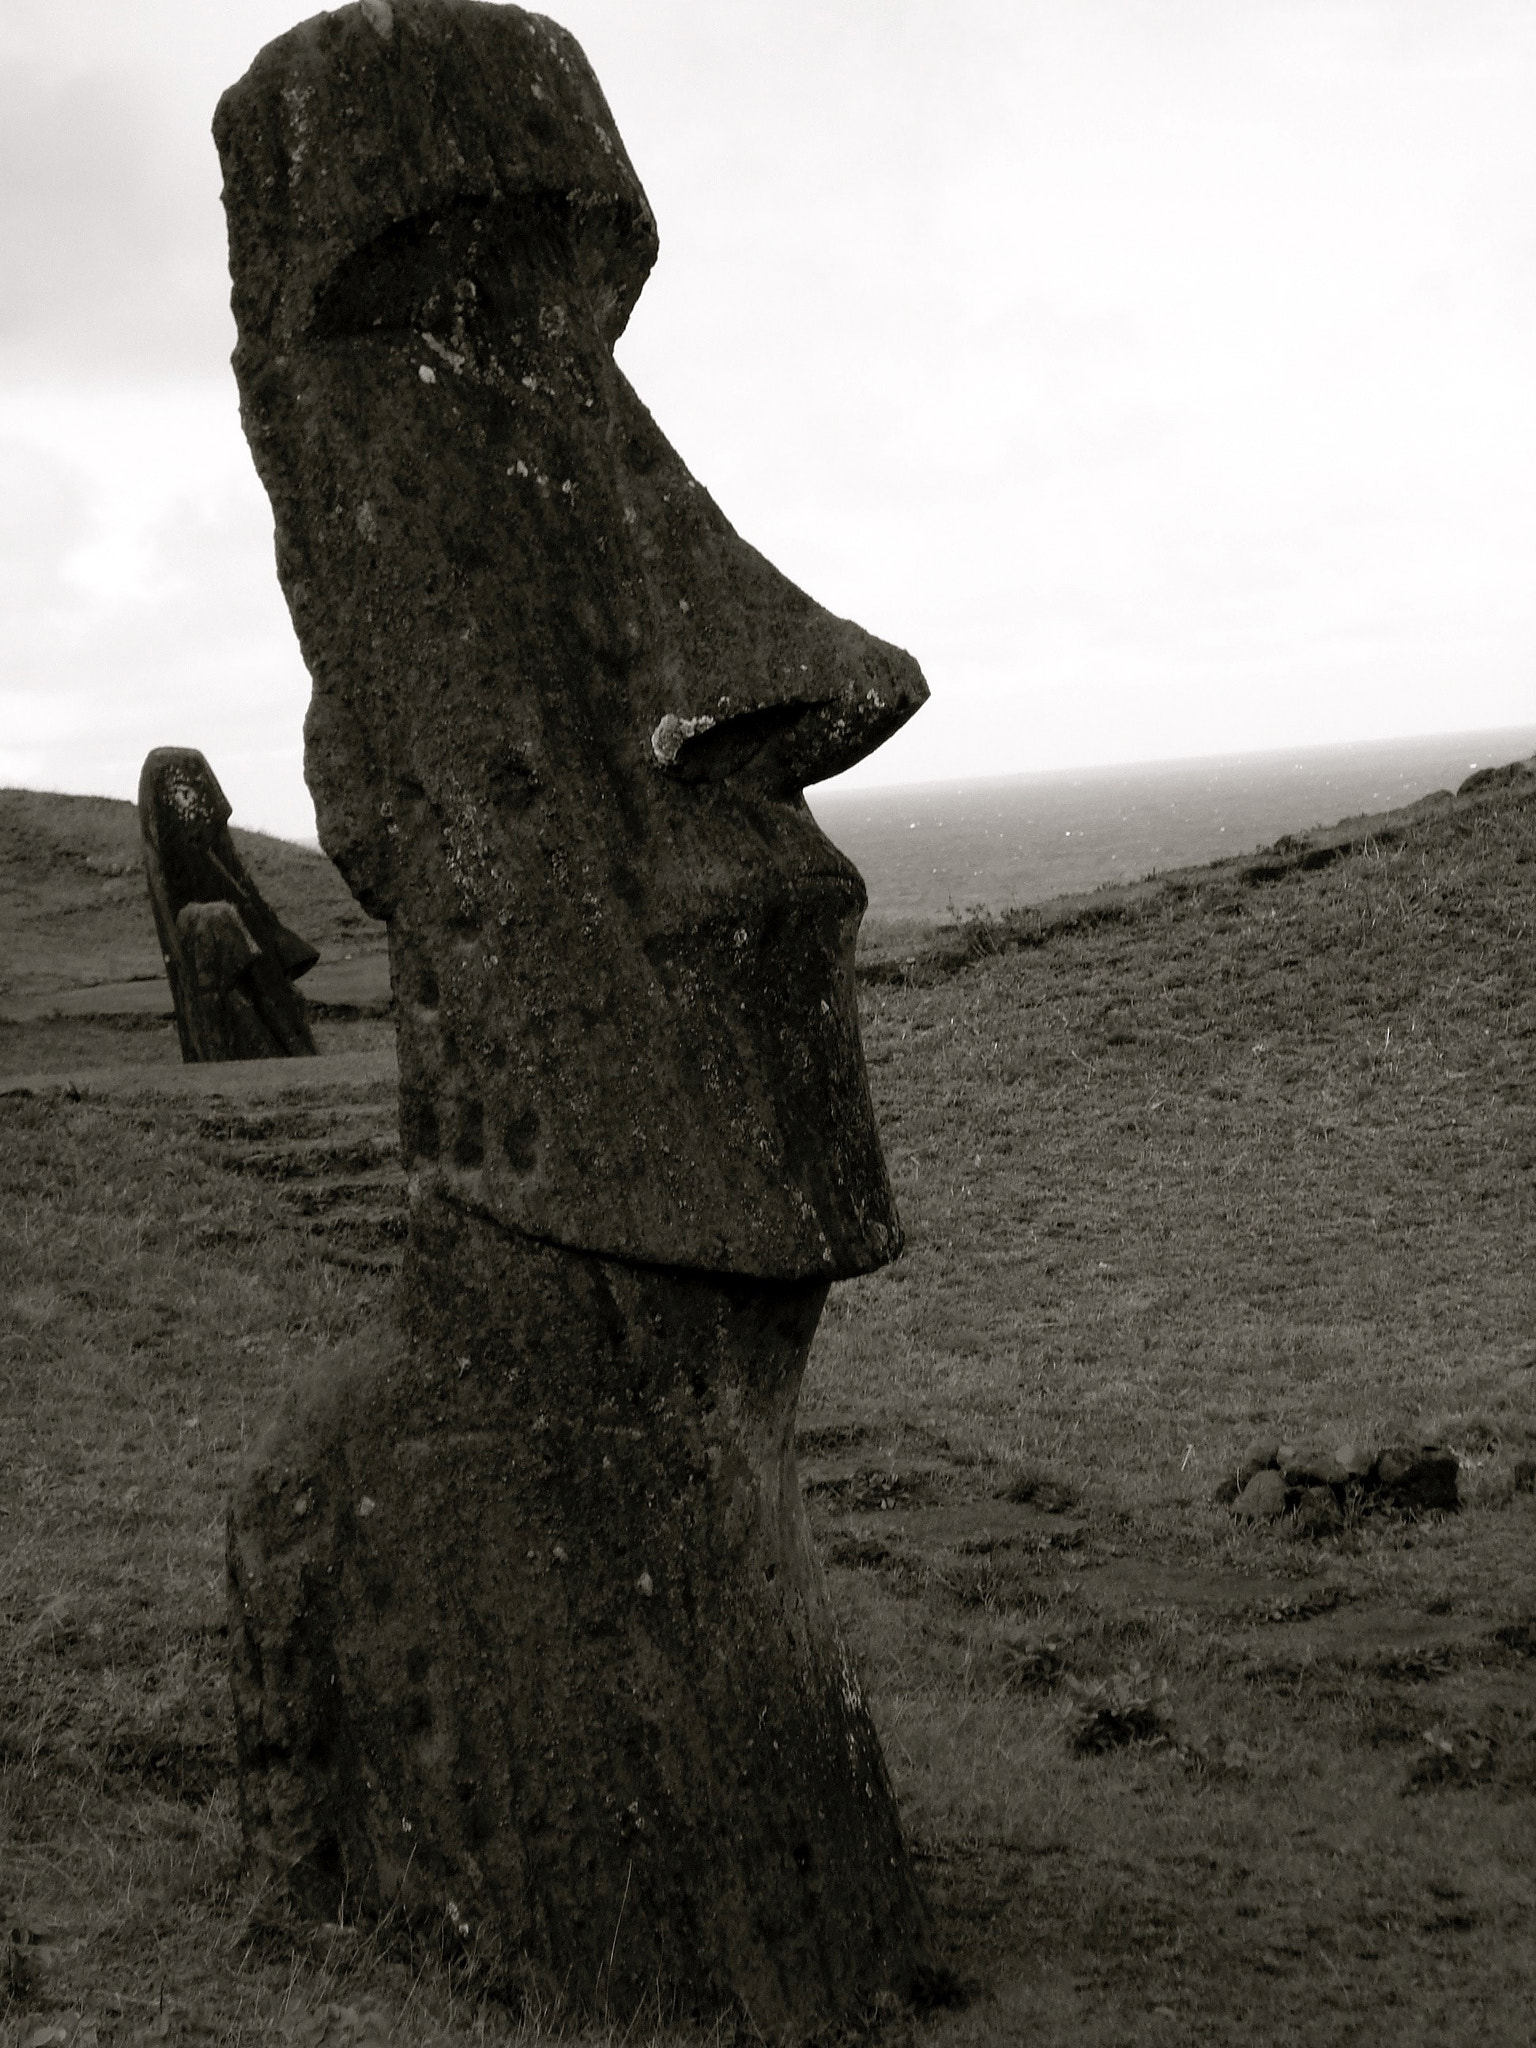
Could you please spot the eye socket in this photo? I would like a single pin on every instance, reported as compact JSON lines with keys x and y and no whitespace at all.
{"x":503,"y":256}
{"x":415,"y":273}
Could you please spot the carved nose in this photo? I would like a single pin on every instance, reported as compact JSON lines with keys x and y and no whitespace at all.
{"x":815,"y":729}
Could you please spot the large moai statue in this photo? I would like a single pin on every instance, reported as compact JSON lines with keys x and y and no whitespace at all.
{"x":230,"y":963}
{"x":529,"y":1640}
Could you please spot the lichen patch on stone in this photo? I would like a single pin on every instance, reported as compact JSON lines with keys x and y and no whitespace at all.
{"x":670,"y":735}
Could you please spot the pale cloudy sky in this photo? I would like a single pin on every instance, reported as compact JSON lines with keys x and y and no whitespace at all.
{"x":1161,"y":372}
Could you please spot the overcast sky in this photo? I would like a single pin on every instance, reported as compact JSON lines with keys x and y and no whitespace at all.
{"x":1161,"y":372}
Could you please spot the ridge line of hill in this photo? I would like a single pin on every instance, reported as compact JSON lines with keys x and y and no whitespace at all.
{"x":74,"y":915}
{"x":983,"y":934}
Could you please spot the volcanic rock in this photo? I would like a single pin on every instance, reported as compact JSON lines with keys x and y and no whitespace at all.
{"x":230,"y":963}
{"x":530,"y":1644}
{"x":1354,"y":1461}
{"x":1263,"y":1498}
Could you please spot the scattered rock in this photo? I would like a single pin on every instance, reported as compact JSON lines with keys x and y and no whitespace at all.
{"x":1312,"y":1468}
{"x":1258,"y":1457}
{"x":1318,"y":1485}
{"x":1263,"y":1498}
{"x":1417,"y":1476}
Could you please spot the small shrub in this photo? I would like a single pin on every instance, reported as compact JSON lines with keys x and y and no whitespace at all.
{"x":1037,"y":1486}
{"x":1107,"y":1713}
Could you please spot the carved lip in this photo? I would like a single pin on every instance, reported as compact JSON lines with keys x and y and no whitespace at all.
{"x":801,"y":893}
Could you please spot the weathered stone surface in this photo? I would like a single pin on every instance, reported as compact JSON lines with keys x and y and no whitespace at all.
{"x":1318,"y":1485}
{"x":230,"y":963}
{"x":1258,"y":1457}
{"x":1311,"y":1466}
{"x":1354,"y":1461}
{"x":562,"y":713}
{"x":529,"y":1640}
{"x":542,"y":1656}
{"x":1263,"y":1498}
{"x":1263,"y":1452}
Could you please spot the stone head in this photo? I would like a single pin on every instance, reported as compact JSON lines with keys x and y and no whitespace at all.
{"x":191,"y":858}
{"x":563,"y":715}
{"x":231,"y":962}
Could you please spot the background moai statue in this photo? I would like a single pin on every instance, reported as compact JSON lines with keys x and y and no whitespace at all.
{"x":529,"y":1639}
{"x":230,"y":963}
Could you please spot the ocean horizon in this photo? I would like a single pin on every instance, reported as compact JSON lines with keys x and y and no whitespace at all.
{"x":936,"y":850}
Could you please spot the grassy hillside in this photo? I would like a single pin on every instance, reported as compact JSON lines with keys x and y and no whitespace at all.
{"x":74,"y":909}
{"x":1249,"y":1152}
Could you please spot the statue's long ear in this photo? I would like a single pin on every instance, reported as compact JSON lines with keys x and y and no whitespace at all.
{"x":352,"y":810}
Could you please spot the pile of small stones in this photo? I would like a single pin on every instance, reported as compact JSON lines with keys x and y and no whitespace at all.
{"x":1317,"y":1485}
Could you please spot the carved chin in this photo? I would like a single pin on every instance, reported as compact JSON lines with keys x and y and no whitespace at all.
{"x":708,"y":1109}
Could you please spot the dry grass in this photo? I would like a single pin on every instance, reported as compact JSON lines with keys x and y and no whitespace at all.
{"x":1254,"y":1158}
{"x":1248,"y":1157}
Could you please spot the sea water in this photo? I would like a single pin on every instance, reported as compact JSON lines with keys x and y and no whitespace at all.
{"x":931,"y":850}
